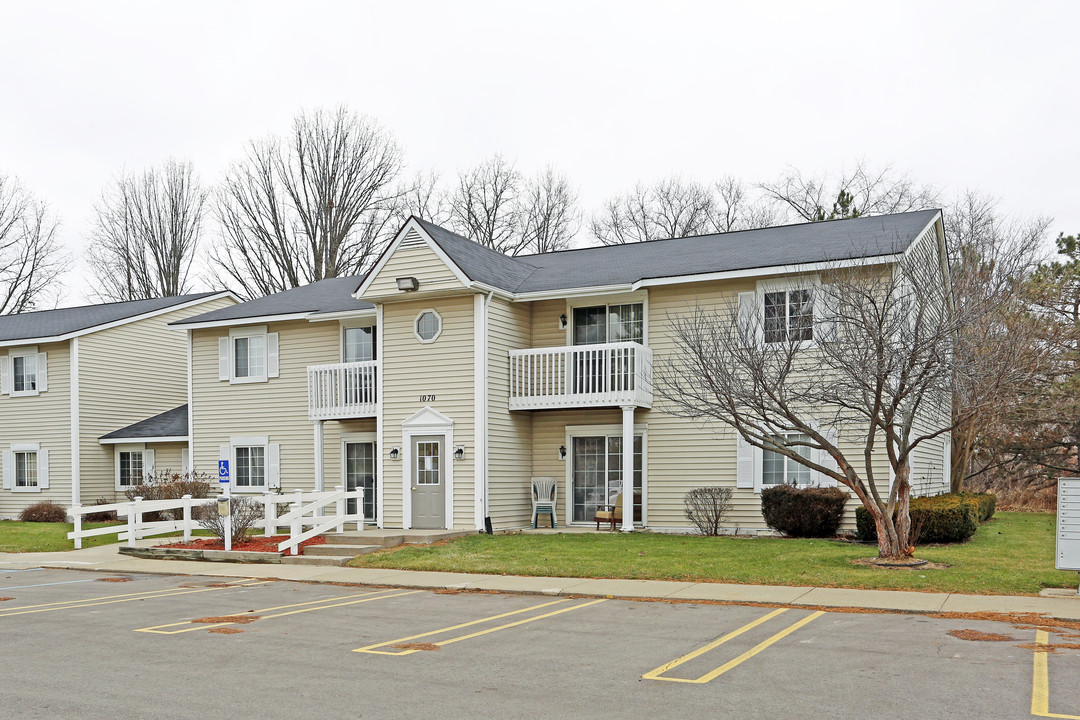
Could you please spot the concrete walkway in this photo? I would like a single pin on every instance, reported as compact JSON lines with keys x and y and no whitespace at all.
{"x":1061,"y":604}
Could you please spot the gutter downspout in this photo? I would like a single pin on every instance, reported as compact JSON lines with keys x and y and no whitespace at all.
{"x":487,"y":400}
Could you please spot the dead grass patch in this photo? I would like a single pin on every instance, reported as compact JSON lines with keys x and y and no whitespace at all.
{"x":114,"y":579}
{"x":225,"y":631}
{"x":980,"y":636}
{"x":239,"y":619}
{"x":869,"y":562}
{"x":416,"y":646}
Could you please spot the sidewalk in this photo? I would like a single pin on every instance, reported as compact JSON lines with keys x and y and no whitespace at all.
{"x":1058,"y":604}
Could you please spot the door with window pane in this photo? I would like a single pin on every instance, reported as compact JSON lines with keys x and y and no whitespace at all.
{"x":597,"y":475}
{"x":606,"y":370}
{"x":360,"y":473}
{"x":428,"y":487}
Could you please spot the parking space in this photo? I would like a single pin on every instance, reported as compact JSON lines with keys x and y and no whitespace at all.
{"x":87,"y":645}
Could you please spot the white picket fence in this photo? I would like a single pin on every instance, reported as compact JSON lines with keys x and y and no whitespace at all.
{"x":308,"y":509}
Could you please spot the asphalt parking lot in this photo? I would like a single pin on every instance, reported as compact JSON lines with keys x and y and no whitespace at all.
{"x":80,"y":645}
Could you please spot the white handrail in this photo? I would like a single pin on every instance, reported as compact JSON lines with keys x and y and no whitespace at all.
{"x":296,"y":517}
{"x":135,"y":528}
{"x":604,"y":374}
{"x":342,"y":390}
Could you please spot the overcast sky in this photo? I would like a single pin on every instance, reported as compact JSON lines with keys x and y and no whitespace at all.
{"x":980,"y":95}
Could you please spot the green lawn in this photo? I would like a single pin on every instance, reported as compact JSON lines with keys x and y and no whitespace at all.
{"x":1011,"y":554}
{"x":16,"y":536}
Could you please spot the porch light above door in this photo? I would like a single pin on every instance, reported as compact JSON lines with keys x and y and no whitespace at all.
{"x":407,"y":283}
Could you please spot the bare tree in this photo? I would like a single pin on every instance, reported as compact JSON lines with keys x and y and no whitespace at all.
{"x":884,"y":355}
{"x":319,"y":205}
{"x":30,"y":257}
{"x":735,"y":209}
{"x":549,"y":214}
{"x":485,"y":205}
{"x":146,"y":233}
{"x":667,"y":209}
{"x":864,"y":190}
{"x":426,"y":199}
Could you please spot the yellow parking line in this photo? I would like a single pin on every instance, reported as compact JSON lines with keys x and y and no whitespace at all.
{"x":324,"y":604}
{"x":656,"y":674}
{"x":372,"y":648}
{"x":111,"y":599}
{"x":1040,"y":682}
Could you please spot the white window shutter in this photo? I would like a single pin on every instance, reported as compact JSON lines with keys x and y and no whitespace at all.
{"x":5,"y":374}
{"x":826,"y":460}
{"x":43,"y":469}
{"x":273,"y":470}
{"x":148,"y":463}
{"x":185,"y":461}
{"x":223,"y":358}
{"x":749,"y":326}
{"x":946,"y":463}
{"x":9,"y":469}
{"x":42,"y":372}
{"x":744,"y":465}
{"x":271,"y":355}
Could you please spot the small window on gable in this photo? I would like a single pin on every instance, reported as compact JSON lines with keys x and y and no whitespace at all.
{"x":428,"y":326}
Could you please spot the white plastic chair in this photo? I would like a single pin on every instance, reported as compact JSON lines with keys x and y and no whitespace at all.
{"x":544,"y":491}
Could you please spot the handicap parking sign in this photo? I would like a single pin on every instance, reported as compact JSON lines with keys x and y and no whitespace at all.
{"x":223,"y":471}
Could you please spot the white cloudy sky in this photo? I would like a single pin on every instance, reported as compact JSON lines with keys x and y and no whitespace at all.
{"x":977,"y":95}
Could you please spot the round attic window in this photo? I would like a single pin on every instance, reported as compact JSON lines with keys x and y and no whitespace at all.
{"x":428,"y":326}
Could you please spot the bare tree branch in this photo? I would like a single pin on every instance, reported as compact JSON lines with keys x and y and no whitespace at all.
{"x":670,"y":208}
{"x":30,"y":256}
{"x":549,"y":214}
{"x":485,"y":205}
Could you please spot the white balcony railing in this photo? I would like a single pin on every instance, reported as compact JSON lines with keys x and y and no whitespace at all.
{"x":342,"y":390}
{"x":581,"y":376}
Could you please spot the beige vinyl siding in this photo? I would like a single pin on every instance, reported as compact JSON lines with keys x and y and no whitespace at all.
{"x":168,"y":458}
{"x":545,"y":324}
{"x":419,"y":262}
{"x":443,"y":368}
{"x":509,"y":433}
{"x":43,"y":419}
{"x":127,"y":374}
{"x":276,"y":408}
{"x":333,"y":430}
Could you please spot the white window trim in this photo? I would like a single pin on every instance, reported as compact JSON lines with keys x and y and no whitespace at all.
{"x":641,"y":296}
{"x":816,"y":479}
{"x":426,"y":421}
{"x":417,"y":319}
{"x":355,"y":324}
{"x":24,"y":352}
{"x":262,"y":441}
{"x":573,"y":431}
{"x":248,"y":332}
{"x":788,"y":284}
{"x":360,"y":437}
{"x":130,"y":447}
{"x":23,"y":448}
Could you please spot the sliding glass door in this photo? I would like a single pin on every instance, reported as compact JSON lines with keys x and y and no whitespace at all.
{"x":596,"y":475}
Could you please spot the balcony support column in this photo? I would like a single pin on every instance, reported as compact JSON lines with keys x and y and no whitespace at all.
{"x":319,"y":456}
{"x":628,"y":468}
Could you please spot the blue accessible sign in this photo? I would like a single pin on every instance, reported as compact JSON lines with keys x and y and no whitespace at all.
{"x":223,"y":471}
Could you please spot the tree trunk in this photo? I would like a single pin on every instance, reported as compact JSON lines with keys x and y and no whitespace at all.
{"x":894,"y":530}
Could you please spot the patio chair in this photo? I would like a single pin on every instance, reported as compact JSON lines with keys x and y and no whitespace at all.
{"x":544,"y":490}
{"x":612,"y":514}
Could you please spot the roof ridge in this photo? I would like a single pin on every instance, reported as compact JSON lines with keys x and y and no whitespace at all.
{"x":178,"y":298}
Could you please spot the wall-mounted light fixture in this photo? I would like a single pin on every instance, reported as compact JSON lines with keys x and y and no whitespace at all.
{"x":407,"y":284}
{"x":562,"y":452}
{"x":394,"y":452}
{"x":562,"y":321}
{"x":459,"y":452}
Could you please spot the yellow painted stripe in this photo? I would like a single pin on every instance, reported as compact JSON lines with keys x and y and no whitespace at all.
{"x":654,"y":674}
{"x":518,"y":622}
{"x":707,"y":677}
{"x":76,"y":605}
{"x":371,"y":648}
{"x":1040,"y":682}
{"x":325,"y":605}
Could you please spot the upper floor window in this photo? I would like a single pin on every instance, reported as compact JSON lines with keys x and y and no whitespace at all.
{"x":23,"y":371}
{"x":247,"y":355}
{"x":609,"y":323}
{"x":428,"y":326}
{"x":789,"y":316}
{"x":358,"y":344}
{"x":777,"y":469}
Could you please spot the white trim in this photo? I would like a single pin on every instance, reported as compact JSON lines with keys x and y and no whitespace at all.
{"x":16,"y":448}
{"x":344,"y":325}
{"x":437,"y":332}
{"x":787,"y":284}
{"x":340,"y":315}
{"x":361,"y":437}
{"x":573,"y":292}
{"x":607,"y":430}
{"x":190,"y":410}
{"x":379,"y":464}
{"x":127,"y":447}
{"x":426,"y":421}
{"x":236,"y":322}
{"x":320,"y":456}
{"x":480,"y":401}
{"x":157,"y":439}
{"x":410,"y":224}
{"x":117,"y":323}
{"x":24,"y":351}
{"x":249,"y":441}
{"x":76,"y":465}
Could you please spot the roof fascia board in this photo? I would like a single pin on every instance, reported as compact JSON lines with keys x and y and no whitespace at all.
{"x":340,"y":315}
{"x":253,"y":320}
{"x":129,"y":440}
{"x":392,"y":248}
{"x":573,"y":292}
{"x":116,"y":323}
{"x":929,"y":226}
{"x":770,"y":270}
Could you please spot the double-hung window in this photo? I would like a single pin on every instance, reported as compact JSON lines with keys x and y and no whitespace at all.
{"x":248,"y":355}
{"x":777,"y":469}
{"x":789,"y":315}
{"x":26,"y":469}
{"x":24,"y":373}
{"x":130,"y":468}
{"x":358,"y":344}
{"x":250,"y":466}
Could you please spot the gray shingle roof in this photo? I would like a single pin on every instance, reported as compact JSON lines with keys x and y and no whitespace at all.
{"x":626,"y":264}
{"x":63,"y":321}
{"x":171,"y":423}
{"x":325,"y":296}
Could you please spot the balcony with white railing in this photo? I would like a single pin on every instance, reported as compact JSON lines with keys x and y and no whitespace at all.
{"x":342,"y":390}
{"x":579,"y":376}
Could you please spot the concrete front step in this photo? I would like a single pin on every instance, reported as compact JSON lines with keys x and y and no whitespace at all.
{"x":384,"y":538}
{"x":332,"y":560}
{"x":340,"y":549}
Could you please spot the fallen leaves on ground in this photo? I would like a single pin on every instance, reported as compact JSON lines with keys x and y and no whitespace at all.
{"x":981,"y":636}
{"x":416,"y":646}
{"x":240,"y":619}
{"x":225,"y":631}
{"x":114,"y":579}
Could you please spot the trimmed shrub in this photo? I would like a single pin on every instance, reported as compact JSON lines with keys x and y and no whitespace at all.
{"x":986,"y":503}
{"x":940,"y":519}
{"x":97,"y":517}
{"x":706,"y":508}
{"x":44,"y":512}
{"x":803,"y":512}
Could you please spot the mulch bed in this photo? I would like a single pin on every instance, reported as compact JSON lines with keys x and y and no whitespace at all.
{"x":252,"y":544}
